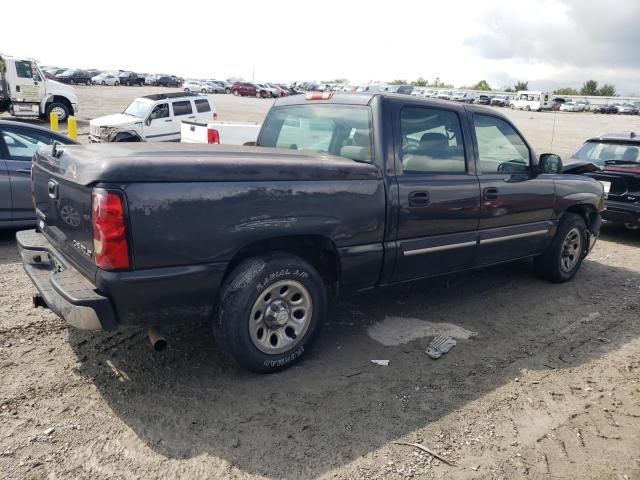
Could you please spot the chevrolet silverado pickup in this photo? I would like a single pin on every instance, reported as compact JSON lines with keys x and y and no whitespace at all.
{"x":342,"y":193}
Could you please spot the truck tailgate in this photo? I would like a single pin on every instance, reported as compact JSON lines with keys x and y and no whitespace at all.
{"x":228,"y":133}
{"x":63,"y":208}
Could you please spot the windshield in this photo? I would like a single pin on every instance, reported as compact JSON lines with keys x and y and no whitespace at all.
{"x":341,"y":130}
{"x":602,"y":153}
{"x":138,"y":108}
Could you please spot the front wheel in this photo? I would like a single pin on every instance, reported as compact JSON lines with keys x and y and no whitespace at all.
{"x":60,"y":109}
{"x":88,"y":82}
{"x":562,"y":259}
{"x":268,"y":312}
{"x":116,"y":83}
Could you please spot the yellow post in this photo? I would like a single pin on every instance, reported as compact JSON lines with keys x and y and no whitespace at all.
{"x":72,"y":128}
{"x":53,"y":121}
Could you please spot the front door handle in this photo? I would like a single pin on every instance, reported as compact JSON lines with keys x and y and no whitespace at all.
{"x":168,"y":121}
{"x":490,"y":193}
{"x":419,"y":199}
{"x":24,"y":170}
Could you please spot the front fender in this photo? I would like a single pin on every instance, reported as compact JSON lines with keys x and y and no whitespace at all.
{"x":124,"y":136}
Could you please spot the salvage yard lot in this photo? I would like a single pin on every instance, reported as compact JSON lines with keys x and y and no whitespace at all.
{"x":547,"y":385}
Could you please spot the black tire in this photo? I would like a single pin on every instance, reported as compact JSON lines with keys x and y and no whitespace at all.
{"x":116,"y":83}
{"x":238,"y":298}
{"x":204,"y":90}
{"x":236,"y":93}
{"x":227,"y":90}
{"x":549,"y":265}
{"x":60,"y":108}
{"x":88,"y":83}
{"x":71,"y":82}
{"x":186,"y":90}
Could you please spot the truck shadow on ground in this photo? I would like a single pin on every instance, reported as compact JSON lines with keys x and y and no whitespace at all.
{"x":336,"y":406}
{"x":618,"y":233}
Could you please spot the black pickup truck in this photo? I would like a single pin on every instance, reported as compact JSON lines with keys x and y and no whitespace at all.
{"x":355,"y":192}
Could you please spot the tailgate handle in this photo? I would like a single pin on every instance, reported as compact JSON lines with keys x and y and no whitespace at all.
{"x":52,"y":188}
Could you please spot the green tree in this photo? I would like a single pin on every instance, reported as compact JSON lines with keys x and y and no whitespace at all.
{"x":521,"y":86}
{"x":566,"y":91}
{"x":398,"y":82}
{"x":481,"y":85}
{"x":420,"y":82}
{"x":589,"y":88}
{"x":607,"y":90}
{"x":507,"y":89}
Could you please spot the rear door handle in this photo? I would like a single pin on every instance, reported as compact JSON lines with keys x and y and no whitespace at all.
{"x":490,"y":193}
{"x":419,"y":199}
{"x":168,"y":121}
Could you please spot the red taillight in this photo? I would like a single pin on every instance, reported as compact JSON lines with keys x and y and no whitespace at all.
{"x":110,"y":244}
{"x":213,"y":136}
{"x":318,"y":96}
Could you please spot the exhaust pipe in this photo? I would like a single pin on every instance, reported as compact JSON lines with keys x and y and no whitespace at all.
{"x":158,"y":342}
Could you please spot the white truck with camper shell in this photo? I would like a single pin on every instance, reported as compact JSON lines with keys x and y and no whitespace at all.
{"x":531,"y":100}
{"x":153,"y":118}
{"x":25,"y":92}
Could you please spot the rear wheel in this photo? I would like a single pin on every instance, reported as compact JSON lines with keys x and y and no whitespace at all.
{"x":204,"y":90}
{"x":88,"y":82}
{"x":268,"y":312}
{"x":116,"y":83}
{"x":562,"y":259}
{"x":103,"y":82}
{"x":71,"y":82}
{"x":527,"y":108}
{"x":186,"y":90}
{"x":236,"y":93}
{"x":227,"y":90}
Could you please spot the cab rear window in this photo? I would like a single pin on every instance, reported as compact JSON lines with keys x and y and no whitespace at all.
{"x":341,"y":130}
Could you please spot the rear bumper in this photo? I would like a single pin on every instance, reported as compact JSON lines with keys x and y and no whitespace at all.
{"x":622,"y":212}
{"x":65,"y":291}
{"x":148,"y":297}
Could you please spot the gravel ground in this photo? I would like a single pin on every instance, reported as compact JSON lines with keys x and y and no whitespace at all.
{"x":548,"y":385}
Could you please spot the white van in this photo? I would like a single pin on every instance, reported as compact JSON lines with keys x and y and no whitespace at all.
{"x":153,"y":118}
{"x":26,"y":93}
{"x":531,"y":100}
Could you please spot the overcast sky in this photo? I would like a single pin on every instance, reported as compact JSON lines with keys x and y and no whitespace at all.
{"x":549,"y":43}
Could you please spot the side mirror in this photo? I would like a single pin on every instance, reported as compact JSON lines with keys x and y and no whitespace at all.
{"x":550,"y":163}
{"x":147,"y":122}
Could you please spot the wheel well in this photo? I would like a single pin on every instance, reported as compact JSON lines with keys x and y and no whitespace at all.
{"x":588,"y":213}
{"x":317,"y":250}
{"x":65,"y":101}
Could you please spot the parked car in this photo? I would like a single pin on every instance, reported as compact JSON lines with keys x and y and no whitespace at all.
{"x":196,"y":86}
{"x":106,"y":79}
{"x":619,"y":156}
{"x":605,"y":109}
{"x":130,"y":79}
{"x":500,"y":101}
{"x":465,"y":97}
{"x":215,"y":88}
{"x":74,"y":77}
{"x":281,"y":92}
{"x":484,"y":100}
{"x":245,"y":89}
{"x":271,"y":92}
{"x":226,"y":85}
{"x":569,"y":107}
{"x":18,"y":142}
{"x":444,"y":94}
{"x":430,"y":92}
{"x":167,"y":81}
{"x":417,"y":92}
{"x":152,"y":118}
{"x":627,"y":109}
{"x":253,"y":239}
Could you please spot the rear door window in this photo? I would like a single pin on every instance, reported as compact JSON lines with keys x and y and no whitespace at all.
{"x":330,"y":129}
{"x":182,"y":108}
{"x":431,"y":141}
{"x":202,"y":105}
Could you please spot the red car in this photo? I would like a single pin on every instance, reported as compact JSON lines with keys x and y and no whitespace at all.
{"x":247,"y":89}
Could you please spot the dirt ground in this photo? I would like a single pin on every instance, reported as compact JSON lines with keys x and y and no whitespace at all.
{"x":546,"y":386}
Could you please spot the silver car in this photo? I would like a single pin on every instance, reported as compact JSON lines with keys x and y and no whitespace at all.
{"x":18,"y":143}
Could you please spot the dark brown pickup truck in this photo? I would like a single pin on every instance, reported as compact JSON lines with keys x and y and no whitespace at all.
{"x":353,"y":192}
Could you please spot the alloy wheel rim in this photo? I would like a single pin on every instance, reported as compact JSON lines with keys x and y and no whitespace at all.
{"x":280,"y":317}
{"x":571,"y":250}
